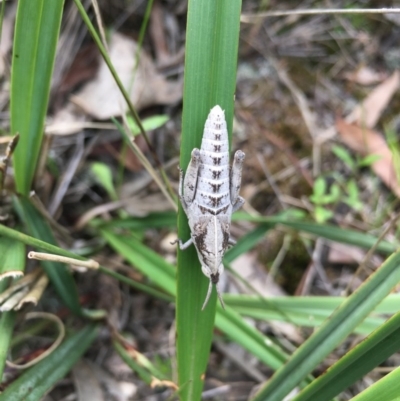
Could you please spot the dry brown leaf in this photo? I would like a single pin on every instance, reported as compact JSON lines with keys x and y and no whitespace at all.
{"x":365,"y":76}
{"x":101,"y":97}
{"x":368,"y":142}
{"x":369,"y":111}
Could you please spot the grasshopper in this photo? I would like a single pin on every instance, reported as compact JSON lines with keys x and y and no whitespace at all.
{"x":209,"y":194}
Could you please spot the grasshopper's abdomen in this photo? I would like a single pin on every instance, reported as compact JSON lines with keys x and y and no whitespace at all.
{"x":213,"y":188}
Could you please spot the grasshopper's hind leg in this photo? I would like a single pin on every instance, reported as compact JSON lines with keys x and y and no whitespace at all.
{"x":236,"y":180}
{"x":188,"y":185}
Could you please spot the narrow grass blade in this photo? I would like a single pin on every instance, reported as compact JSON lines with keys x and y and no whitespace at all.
{"x":37,"y":28}
{"x":306,"y":304}
{"x":247,"y":242}
{"x":300,"y":318}
{"x":144,"y":259}
{"x":12,"y":264}
{"x":368,"y":354}
{"x":327,"y":231}
{"x":139,"y":364}
{"x":34,"y":383}
{"x":333,"y":331}
{"x":12,"y":258}
{"x":210,"y":79}
{"x":58,"y":273}
{"x":6,"y":329}
{"x":152,"y":220}
{"x":249,"y":338}
{"x":386,"y":389}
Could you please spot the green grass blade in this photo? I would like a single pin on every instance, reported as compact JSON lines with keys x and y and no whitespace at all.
{"x":327,"y":231}
{"x":12,"y":264}
{"x":368,"y":354}
{"x":300,"y":318}
{"x":35,"y":382}
{"x":247,"y":242}
{"x":144,"y":259}
{"x":210,"y":78}
{"x":249,"y":338}
{"x":12,"y":258}
{"x":58,"y":273}
{"x":333,"y":331}
{"x":139,"y":364}
{"x":152,"y":220}
{"x":306,"y":304}
{"x":6,"y":330}
{"x":35,"y":39}
{"x":386,"y":389}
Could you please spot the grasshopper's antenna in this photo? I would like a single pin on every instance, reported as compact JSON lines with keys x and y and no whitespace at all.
{"x":208,"y":294}
{"x":220,"y":296}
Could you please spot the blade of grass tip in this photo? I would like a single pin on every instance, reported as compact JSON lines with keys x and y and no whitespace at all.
{"x":12,"y":258}
{"x":139,"y":364}
{"x":35,"y":382}
{"x":142,"y":31}
{"x":36,"y":33}
{"x":124,"y":92}
{"x":58,"y":273}
{"x":3,"y":7}
{"x":210,"y":77}
{"x":342,"y":322}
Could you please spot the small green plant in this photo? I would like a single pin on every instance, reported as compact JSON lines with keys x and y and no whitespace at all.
{"x":343,"y":190}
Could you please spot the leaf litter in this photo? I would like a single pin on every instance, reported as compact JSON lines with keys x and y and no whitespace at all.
{"x":320,"y":68}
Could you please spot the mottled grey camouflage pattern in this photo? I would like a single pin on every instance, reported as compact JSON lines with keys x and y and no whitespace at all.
{"x":209,"y":194}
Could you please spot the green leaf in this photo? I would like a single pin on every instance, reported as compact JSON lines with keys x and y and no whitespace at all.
{"x":149,"y":124}
{"x":321,"y":214}
{"x":353,"y":198}
{"x":333,"y":331}
{"x":344,"y":155}
{"x":39,"y":379}
{"x":104,"y":177}
{"x":319,"y":190}
{"x":36,"y":33}
{"x":369,"y":160}
{"x":210,"y":79}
